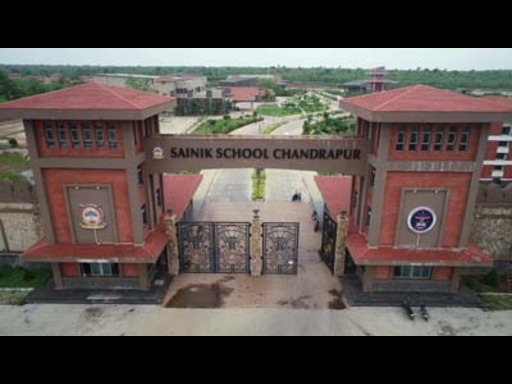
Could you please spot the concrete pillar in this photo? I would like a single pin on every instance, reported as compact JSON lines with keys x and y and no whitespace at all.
{"x":256,"y":246}
{"x":341,"y":241}
{"x":57,"y":277}
{"x":456,"y":277}
{"x":172,"y":240}
{"x":143,"y":277}
{"x":368,"y":280}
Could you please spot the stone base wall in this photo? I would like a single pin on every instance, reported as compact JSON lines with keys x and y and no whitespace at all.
{"x":492,"y":230}
{"x":20,"y":227}
{"x":412,"y":286}
{"x":93,"y":283}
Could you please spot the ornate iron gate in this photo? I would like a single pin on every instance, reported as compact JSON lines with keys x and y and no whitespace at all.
{"x":214,"y":247}
{"x":328,"y":251}
{"x":280,"y":248}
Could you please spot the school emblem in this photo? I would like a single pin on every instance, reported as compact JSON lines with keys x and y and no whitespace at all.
{"x":93,"y":217}
{"x":158,"y":153}
{"x":422,"y":220}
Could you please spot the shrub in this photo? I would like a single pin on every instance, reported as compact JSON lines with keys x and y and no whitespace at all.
{"x":493,"y":279}
{"x":13,"y":143}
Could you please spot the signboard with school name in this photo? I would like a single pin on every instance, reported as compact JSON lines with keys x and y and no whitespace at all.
{"x":325,"y":153}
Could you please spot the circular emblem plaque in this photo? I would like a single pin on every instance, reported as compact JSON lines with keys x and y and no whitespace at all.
{"x":422,"y":220}
{"x":92,"y":217}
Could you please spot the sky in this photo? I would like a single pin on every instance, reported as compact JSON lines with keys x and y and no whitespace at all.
{"x":392,"y":58}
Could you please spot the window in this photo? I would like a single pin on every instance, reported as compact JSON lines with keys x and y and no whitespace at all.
{"x":427,"y":138}
{"x":100,"y":137}
{"x":159,"y":197}
{"x":100,"y":270}
{"x":135,"y":135}
{"x":464,"y":140}
{"x":412,"y":273}
{"x":452,"y":139}
{"x":144,"y":210}
{"x":73,"y":134}
{"x":400,"y":141}
{"x":501,"y":156}
{"x":49,"y":135}
{"x":369,"y":217}
{"x":61,"y":134}
{"x":373,"y":177}
{"x":499,"y":168}
{"x":507,"y":130}
{"x":413,"y":144}
{"x":86,"y":133}
{"x":112,"y":136}
{"x":367,"y":129}
{"x":438,"y":146}
{"x":140,"y":177}
{"x":503,"y":144}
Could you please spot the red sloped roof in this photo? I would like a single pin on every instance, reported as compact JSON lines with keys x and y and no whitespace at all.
{"x":500,"y":100}
{"x":362,"y":254}
{"x":422,"y":98}
{"x":148,"y":253}
{"x":336,"y":192}
{"x":90,"y":96}
{"x":244,"y":94}
{"x":179,"y":191}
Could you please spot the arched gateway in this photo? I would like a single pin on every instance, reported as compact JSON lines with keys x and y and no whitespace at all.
{"x":98,"y":159}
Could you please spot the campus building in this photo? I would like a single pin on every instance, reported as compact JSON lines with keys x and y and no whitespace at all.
{"x":109,"y":207}
{"x":498,"y":158}
{"x":193,"y":96}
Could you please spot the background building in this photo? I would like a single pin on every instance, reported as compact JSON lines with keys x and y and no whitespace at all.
{"x":498,"y":158}
{"x":193,"y":96}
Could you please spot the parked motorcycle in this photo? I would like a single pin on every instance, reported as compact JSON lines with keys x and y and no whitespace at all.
{"x":406,"y":305}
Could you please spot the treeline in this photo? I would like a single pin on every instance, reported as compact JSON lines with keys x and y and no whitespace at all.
{"x":330,"y":76}
{"x":27,"y":86}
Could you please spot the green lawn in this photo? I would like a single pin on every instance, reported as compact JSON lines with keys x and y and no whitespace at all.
{"x":224,"y":126}
{"x":11,"y":164}
{"x":498,"y":303}
{"x":258,"y":185}
{"x":23,"y":278}
{"x":275,"y":111}
{"x":3,"y":99}
{"x":273,"y":128}
{"x":330,"y":126}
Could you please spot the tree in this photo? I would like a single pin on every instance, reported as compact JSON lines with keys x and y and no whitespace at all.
{"x":8,"y":88}
{"x":139,"y":84}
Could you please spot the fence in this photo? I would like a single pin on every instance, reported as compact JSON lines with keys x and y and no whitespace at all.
{"x":494,"y":195}
{"x":17,"y":192}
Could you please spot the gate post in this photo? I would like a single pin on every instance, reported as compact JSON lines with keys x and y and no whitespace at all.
{"x":173,"y":260}
{"x":341,"y":239}
{"x":256,"y":246}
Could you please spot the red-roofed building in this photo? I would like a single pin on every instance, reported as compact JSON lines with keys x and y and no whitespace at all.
{"x":411,"y":216}
{"x":245,"y":94}
{"x":101,"y":215}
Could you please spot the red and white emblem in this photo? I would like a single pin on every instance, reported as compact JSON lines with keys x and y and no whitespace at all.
{"x":93,"y":217}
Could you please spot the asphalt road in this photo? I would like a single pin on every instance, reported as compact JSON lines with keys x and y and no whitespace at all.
{"x":230,"y":185}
